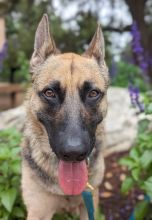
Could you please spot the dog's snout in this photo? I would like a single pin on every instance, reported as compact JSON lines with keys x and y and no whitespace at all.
{"x":73,"y":151}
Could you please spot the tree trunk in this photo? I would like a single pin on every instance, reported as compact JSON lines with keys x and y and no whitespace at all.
{"x":137,"y":10}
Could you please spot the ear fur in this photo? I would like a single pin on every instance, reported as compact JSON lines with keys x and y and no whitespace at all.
{"x":44,"y":44}
{"x":96,"y":48}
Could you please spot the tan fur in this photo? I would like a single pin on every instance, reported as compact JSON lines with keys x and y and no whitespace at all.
{"x":44,"y":199}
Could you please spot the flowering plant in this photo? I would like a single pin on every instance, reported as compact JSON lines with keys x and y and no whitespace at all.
{"x":139,"y":163}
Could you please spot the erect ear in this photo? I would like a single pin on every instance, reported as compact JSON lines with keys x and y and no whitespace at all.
{"x":44,"y":44}
{"x":96,"y":48}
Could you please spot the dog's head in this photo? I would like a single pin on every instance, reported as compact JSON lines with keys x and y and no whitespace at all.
{"x":69,"y":93}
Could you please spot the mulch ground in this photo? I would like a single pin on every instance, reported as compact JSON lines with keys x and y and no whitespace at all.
{"x":116,"y":206}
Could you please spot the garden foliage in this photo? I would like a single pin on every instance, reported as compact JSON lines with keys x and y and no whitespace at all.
{"x":139,"y":162}
{"x":11,"y":207}
{"x":127,"y":73}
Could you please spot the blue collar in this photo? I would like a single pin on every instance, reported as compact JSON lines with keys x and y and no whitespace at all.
{"x":88,"y":200}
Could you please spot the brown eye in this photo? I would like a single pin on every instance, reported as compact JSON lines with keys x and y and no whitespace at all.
{"x":49,"y":93}
{"x":93,"y":94}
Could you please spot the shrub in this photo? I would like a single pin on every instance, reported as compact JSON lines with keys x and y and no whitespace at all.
{"x":11,"y":206}
{"x":126,"y":73}
{"x":20,"y":72}
{"x":139,"y":162}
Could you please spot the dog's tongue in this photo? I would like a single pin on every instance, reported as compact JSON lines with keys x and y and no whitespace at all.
{"x":73,"y":177}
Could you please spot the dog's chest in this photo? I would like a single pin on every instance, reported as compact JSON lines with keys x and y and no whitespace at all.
{"x":70,"y":204}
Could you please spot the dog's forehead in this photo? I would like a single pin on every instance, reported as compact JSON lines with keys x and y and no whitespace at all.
{"x":70,"y":70}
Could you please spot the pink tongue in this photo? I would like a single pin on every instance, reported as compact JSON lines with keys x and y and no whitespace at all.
{"x":73,"y":177}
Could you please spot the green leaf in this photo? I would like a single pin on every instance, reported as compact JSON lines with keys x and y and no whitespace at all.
{"x":136,"y":173}
{"x":16,"y":167}
{"x":5,"y":217}
{"x":18,"y":212}
{"x":135,"y":154}
{"x":129,"y":162}
{"x":141,"y":210}
{"x":127,"y":185}
{"x":4,"y":168}
{"x":8,"y":198}
{"x":4,"y":153}
{"x":144,"y":137}
{"x":146,"y":158}
{"x":147,"y":186}
{"x":15,"y":151}
{"x":148,"y":109}
{"x":15,"y":181}
{"x":99,"y":215}
{"x":143,"y":126}
{"x":1,"y":186}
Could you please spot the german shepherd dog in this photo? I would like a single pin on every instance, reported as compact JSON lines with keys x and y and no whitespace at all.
{"x":66,"y":107}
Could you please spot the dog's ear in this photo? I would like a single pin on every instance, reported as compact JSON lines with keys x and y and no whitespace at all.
{"x":44,"y":44}
{"x":96,"y":48}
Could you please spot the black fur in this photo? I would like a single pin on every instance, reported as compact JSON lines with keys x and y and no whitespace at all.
{"x":27,"y":155}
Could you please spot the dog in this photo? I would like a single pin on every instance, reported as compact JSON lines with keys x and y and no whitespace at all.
{"x":66,"y":107}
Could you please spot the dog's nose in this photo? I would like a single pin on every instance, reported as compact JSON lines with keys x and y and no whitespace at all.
{"x":74,"y":155}
{"x":73,"y":151}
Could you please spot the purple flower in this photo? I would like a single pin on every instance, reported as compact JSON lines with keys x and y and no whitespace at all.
{"x":3,"y":54}
{"x":143,"y":61}
{"x":135,"y":98}
{"x":113,"y":69}
{"x":138,"y":49}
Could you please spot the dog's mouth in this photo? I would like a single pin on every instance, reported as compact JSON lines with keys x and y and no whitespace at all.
{"x":73,"y":176}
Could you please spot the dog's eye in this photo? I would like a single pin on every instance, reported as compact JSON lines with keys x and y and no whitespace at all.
{"x":93,"y":94}
{"x":49,"y":93}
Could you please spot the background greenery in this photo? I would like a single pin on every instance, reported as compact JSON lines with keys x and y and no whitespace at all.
{"x":11,"y":206}
{"x":139,"y":162}
{"x":22,"y":17}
